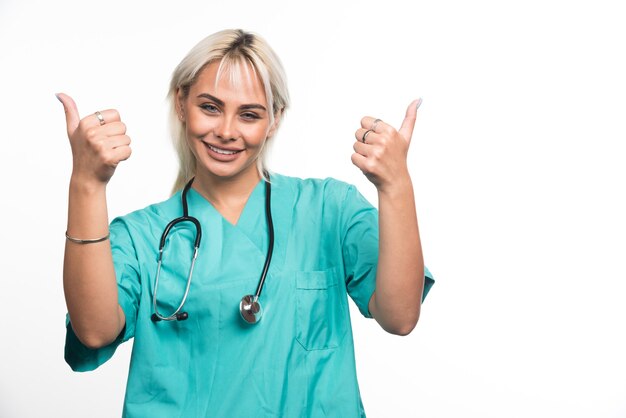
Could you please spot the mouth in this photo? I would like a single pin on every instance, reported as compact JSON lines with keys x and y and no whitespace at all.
{"x":222,"y":151}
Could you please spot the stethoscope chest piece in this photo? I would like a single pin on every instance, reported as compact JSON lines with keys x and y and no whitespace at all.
{"x":250,"y":309}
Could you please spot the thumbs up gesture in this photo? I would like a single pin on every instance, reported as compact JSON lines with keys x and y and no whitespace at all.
{"x":99,"y":142}
{"x":380,"y":151}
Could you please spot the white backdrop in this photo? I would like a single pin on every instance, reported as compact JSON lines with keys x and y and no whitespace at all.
{"x":517,"y":161}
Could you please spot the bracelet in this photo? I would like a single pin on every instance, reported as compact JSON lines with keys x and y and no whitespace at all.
{"x":87,"y":241}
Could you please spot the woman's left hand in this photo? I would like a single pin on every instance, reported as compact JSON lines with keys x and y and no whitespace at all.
{"x":381,"y":151}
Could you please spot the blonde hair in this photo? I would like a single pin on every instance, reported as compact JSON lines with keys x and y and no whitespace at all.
{"x":231,"y":48}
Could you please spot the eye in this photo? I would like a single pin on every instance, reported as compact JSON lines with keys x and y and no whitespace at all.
{"x":250,"y":116}
{"x":209,"y":107}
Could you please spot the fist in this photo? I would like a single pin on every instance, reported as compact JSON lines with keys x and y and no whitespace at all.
{"x":98,"y":141}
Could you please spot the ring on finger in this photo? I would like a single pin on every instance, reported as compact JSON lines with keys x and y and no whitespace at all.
{"x":374,"y":124}
{"x":100,"y":118}
{"x":365,"y":135}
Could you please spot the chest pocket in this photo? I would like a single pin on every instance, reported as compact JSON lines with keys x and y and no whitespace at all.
{"x":321,"y":314}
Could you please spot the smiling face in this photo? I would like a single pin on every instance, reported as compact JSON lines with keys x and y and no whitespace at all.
{"x":227,"y":123}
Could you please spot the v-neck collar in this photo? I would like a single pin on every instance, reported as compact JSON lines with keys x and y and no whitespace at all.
{"x":252,"y":223}
{"x":255,"y":202}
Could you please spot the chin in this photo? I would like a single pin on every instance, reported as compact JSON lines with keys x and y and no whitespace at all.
{"x":225,"y":171}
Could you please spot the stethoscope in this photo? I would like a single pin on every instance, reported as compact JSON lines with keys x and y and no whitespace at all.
{"x":249,"y":307}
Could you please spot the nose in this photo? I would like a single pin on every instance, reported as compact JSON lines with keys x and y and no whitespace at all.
{"x":226,"y":129}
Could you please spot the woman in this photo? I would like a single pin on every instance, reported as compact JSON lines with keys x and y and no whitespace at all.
{"x":313,"y":242}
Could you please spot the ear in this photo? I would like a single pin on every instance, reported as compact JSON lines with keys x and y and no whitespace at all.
{"x":180,"y":100}
{"x":277,"y":118}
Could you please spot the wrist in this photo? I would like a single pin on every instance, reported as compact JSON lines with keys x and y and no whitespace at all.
{"x":399,"y":187}
{"x":81,"y":185}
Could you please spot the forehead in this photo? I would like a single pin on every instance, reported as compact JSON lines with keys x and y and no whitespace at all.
{"x":230,"y":81}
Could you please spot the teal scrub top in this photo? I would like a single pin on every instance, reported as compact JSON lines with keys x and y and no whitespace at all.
{"x":298,"y":361}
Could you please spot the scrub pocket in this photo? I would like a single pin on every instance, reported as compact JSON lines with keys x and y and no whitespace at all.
{"x":321,"y":320}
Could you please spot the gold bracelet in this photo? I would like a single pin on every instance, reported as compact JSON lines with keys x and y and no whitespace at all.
{"x":87,"y":241}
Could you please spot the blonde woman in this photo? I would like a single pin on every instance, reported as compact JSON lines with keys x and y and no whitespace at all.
{"x":191,"y":278}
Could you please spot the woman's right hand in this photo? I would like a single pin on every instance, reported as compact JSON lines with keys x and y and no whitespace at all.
{"x":97,"y":148}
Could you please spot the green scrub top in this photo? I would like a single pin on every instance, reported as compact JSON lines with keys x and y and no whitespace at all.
{"x":298,"y":361}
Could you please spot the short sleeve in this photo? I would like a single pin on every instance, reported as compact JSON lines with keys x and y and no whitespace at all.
{"x":360,"y":250}
{"x":359,"y":247}
{"x":78,"y":356}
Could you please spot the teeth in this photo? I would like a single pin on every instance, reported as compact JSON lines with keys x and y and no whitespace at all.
{"x":221,"y":151}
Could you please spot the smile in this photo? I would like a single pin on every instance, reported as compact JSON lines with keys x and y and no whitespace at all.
{"x":221,"y":150}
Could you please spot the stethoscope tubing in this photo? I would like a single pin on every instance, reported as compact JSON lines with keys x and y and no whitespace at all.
{"x":270,"y":249}
{"x":177,"y":314}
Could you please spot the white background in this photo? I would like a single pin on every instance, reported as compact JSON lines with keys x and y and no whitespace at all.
{"x":517,"y":161}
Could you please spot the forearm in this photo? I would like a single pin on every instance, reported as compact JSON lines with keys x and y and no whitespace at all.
{"x":88,"y":272}
{"x":400,"y":273}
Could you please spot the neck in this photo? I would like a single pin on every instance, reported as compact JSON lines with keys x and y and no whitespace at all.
{"x":226,"y":192}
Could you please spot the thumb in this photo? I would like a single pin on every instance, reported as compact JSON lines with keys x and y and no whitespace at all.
{"x":406,"y":130}
{"x":71,"y":112}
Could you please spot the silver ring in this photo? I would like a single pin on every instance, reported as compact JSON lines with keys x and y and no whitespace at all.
{"x":100,"y":118}
{"x":365,"y":135}
{"x":373,"y":128}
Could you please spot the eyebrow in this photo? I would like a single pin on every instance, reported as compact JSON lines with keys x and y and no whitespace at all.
{"x":220,"y":102}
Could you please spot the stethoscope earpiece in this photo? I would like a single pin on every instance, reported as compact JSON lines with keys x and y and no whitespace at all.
{"x":181,"y":316}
